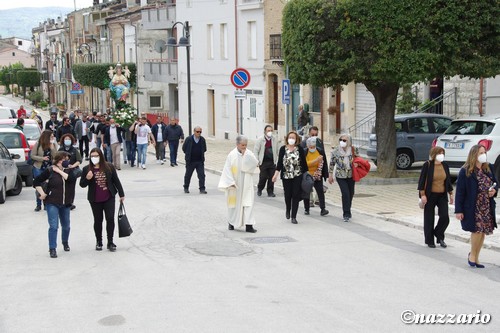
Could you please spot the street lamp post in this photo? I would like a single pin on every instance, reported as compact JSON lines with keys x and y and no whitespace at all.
{"x":184,"y":42}
{"x":89,"y":59}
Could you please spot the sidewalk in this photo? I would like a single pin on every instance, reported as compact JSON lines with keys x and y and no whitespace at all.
{"x":394,"y":203}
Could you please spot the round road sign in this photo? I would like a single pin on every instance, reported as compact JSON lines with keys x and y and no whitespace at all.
{"x":240,"y":78}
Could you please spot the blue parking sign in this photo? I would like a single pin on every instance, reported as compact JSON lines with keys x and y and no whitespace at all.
{"x":285,"y":92}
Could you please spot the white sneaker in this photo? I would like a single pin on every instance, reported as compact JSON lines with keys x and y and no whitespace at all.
{"x":162,"y":162}
{"x":158,"y":161}
{"x":143,"y":166}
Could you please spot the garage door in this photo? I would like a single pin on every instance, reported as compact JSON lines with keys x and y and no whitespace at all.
{"x":365,"y":102}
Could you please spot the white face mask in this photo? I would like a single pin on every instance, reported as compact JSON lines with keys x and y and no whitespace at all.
{"x":269,"y":134}
{"x":440,"y":157}
{"x":291,"y":141}
{"x":53,"y":140}
{"x":113,"y":126}
{"x":482,"y":158}
{"x":95,"y":160}
{"x":67,"y":142}
{"x":312,"y":150}
{"x":343,"y":144}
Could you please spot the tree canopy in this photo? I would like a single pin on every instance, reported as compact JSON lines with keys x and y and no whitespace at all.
{"x":385,"y":44}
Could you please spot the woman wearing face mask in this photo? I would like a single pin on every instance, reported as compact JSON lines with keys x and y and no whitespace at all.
{"x":57,"y":199}
{"x":42,"y":154}
{"x":67,"y":143}
{"x":341,"y":164}
{"x":291,"y":165}
{"x":103,"y":184}
{"x":318,"y":168}
{"x":434,"y":186}
{"x":474,"y":203}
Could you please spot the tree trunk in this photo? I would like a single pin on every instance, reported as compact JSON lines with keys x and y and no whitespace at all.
{"x":385,"y":99}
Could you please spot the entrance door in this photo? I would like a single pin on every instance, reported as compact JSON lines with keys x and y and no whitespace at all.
{"x":211,"y":111}
{"x":275,"y":101}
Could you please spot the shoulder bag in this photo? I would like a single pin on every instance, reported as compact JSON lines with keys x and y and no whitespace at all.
{"x":124,"y":228}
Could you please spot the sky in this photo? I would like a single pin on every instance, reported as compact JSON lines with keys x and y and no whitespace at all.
{"x":6,"y":4}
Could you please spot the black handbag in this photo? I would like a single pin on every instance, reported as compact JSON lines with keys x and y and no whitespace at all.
{"x":124,"y":228}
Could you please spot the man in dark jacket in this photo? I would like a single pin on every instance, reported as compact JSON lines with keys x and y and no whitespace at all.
{"x":65,"y":128}
{"x":52,"y":124}
{"x":159,"y":133}
{"x":194,"y":148}
{"x":174,"y":133}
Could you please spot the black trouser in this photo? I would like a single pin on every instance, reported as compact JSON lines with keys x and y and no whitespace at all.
{"x":267,"y":169}
{"x":346,"y":186}
{"x":108,"y":208}
{"x":318,"y":186}
{"x":84,"y":140}
{"x":292,"y":189}
{"x":200,"y":171}
{"x":441,"y":201}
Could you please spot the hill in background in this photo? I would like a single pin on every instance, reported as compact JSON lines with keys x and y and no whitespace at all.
{"x":18,"y":22}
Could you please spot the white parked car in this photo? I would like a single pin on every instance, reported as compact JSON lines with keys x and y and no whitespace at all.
{"x":462,"y":134}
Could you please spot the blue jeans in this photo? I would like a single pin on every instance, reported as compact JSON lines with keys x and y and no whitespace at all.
{"x":98,"y":142}
{"x":107,"y":154}
{"x":37,"y":172}
{"x":56,"y":213}
{"x":141,"y":153}
{"x":173,"y":145}
{"x":130,"y":150}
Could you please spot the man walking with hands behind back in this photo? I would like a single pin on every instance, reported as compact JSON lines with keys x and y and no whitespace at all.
{"x":266,"y":151}
{"x":194,"y":148}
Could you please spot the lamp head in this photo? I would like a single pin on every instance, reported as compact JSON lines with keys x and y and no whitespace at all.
{"x":183,"y":41}
{"x":171,"y":41}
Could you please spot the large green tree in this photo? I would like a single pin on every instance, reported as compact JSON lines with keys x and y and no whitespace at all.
{"x":28,"y":79}
{"x":385,"y":44}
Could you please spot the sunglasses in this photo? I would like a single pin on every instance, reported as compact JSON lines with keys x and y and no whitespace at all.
{"x":198,"y":131}
{"x":343,"y":140}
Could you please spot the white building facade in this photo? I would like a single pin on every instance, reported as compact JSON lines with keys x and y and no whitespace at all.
{"x":225,"y":35}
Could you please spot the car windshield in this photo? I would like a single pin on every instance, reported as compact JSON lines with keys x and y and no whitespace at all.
{"x":5,"y":114}
{"x":11,"y":140}
{"x":470,"y":127}
{"x":31,"y":131}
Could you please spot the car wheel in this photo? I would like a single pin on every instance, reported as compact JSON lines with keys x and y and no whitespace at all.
{"x":18,"y":188}
{"x":3,"y":193}
{"x":404,"y":159}
{"x":28,"y":180}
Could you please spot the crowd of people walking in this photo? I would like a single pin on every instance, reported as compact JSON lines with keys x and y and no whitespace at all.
{"x":301,"y":163}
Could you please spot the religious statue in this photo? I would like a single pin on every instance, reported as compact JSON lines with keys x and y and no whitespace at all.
{"x":119,"y":84}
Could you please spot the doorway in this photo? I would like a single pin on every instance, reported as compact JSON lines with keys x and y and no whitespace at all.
{"x":211,"y":112}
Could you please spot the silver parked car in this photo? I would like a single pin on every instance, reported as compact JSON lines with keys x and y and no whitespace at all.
{"x":10,"y":181}
{"x":415,"y":133}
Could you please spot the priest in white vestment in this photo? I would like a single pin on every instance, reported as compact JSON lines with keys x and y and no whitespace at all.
{"x":237,"y":181}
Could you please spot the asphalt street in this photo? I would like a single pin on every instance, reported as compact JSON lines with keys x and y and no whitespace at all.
{"x":183,"y":271}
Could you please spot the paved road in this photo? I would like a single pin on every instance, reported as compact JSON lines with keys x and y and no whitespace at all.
{"x":183,"y":271}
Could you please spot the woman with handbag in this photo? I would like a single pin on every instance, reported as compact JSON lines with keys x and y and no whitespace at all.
{"x":291,"y":165}
{"x":56,"y":186}
{"x":103,"y":183}
{"x":341,"y":165}
{"x":41,"y":156}
{"x":474,"y":203}
{"x":317,"y":168}
{"x":66,"y":144}
{"x":434,"y":186}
